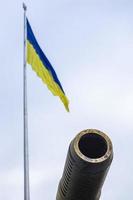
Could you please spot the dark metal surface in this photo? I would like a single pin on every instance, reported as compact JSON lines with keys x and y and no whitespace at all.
{"x":89,"y":157}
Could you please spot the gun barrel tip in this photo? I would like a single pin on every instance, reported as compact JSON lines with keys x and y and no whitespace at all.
{"x":93,"y":145}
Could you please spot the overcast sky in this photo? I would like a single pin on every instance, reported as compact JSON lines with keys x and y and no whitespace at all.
{"x":90,"y":45}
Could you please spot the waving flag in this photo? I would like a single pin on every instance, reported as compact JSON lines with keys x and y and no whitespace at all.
{"x":41,"y":65}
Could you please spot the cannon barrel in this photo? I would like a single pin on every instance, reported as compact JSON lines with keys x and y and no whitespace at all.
{"x":88,"y":160}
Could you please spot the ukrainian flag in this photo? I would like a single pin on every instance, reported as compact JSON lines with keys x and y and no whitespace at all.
{"x":41,"y":65}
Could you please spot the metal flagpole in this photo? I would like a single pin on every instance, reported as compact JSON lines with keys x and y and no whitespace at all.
{"x":25,"y":115}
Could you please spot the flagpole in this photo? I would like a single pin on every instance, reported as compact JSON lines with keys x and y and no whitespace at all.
{"x":25,"y":116}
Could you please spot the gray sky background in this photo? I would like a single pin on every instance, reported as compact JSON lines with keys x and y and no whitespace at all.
{"x":90,"y":44}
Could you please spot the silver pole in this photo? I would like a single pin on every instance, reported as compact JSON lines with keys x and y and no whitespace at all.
{"x":25,"y":115}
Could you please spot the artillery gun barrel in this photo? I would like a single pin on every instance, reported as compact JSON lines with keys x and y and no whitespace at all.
{"x":89,"y":157}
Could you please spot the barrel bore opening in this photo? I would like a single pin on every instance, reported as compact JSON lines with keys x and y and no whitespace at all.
{"x":92,"y":145}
